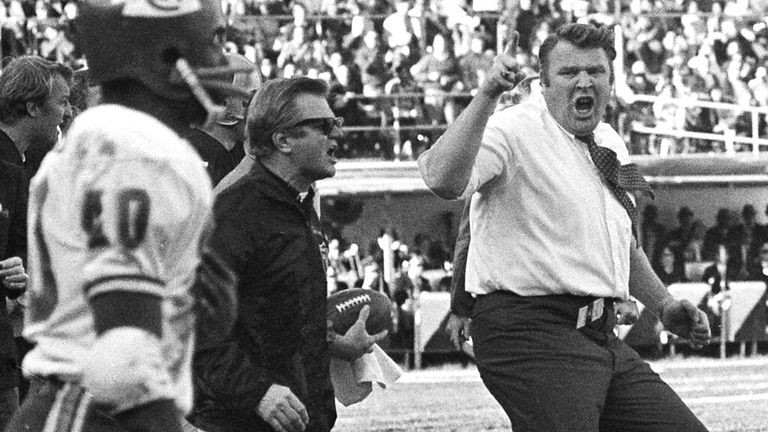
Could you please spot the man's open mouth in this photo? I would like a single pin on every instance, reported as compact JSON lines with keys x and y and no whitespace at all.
{"x":584,"y":104}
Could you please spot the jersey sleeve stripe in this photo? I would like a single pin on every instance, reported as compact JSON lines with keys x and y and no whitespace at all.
{"x":126,"y":282}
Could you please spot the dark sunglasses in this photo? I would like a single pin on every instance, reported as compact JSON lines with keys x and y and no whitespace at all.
{"x":325,"y":124}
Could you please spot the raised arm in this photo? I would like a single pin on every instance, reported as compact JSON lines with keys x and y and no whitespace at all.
{"x":447,"y":166}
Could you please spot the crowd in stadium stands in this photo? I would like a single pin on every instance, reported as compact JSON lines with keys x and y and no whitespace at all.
{"x":436,"y":51}
{"x":733,"y":245}
{"x":734,"y":248}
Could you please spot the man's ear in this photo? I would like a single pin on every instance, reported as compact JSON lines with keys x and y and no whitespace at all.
{"x":282,"y":142}
{"x":33,"y":109}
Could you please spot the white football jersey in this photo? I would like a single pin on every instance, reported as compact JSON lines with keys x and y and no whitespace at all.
{"x":121,"y":203}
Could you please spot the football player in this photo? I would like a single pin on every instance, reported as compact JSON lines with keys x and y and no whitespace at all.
{"x":118,"y":212}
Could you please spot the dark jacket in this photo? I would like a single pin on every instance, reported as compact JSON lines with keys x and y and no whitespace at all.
{"x":8,"y":150}
{"x":273,"y":243}
{"x":14,"y":190}
{"x":219,"y":160}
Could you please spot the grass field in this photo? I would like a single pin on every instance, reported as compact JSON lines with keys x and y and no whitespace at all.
{"x":727,"y":395}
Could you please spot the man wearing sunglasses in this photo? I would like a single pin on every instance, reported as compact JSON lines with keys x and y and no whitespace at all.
{"x":272,"y":372}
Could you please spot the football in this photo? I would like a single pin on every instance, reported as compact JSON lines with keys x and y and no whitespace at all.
{"x":344,"y":308}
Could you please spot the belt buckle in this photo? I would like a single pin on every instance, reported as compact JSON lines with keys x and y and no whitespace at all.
{"x":591,"y":312}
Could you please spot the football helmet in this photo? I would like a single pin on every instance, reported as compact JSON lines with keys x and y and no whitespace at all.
{"x":172,"y":46}
{"x":237,"y":106}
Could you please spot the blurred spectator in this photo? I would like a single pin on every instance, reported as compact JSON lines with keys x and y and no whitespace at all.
{"x":759,"y":86}
{"x":743,"y":236}
{"x":268,"y":69}
{"x":345,"y":73}
{"x":721,"y":234}
{"x":369,"y":57}
{"x":353,"y":144}
{"x":437,"y":73}
{"x":697,"y":118}
{"x":686,"y":239}
{"x":716,"y":276}
{"x":402,"y":30}
{"x":406,"y":111}
{"x":669,"y":267}
{"x":669,"y":115}
{"x":653,"y":234}
{"x":529,"y":14}
{"x":760,"y":234}
{"x":744,"y":122}
{"x":639,"y":113}
{"x":474,"y":64}
{"x":644,"y":42}
{"x":758,"y":269}
{"x":402,"y":297}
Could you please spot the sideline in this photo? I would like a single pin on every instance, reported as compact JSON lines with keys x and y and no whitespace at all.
{"x":470,"y":373}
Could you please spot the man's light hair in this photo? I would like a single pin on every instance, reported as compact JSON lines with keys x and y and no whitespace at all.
{"x":28,"y":79}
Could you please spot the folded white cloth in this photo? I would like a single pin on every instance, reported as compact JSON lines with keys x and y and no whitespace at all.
{"x":353,"y":381}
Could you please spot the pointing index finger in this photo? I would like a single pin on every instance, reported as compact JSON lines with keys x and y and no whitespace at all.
{"x":511,"y":49}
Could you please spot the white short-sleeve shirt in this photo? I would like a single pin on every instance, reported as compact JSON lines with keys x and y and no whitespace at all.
{"x":543,"y":221}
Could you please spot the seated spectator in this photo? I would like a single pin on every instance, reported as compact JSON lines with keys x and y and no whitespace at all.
{"x":697,"y":118}
{"x":653,"y":234}
{"x":686,"y":239}
{"x":268,"y":69}
{"x":369,"y":57}
{"x":760,"y":235}
{"x":758,"y":270}
{"x":474,"y":64}
{"x":743,"y":235}
{"x":720,"y":234}
{"x":669,"y":267}
{"x":400,"y":28}
{"x":438,"y":72}
{"x":405,"y":111}
{"x":669,"y":115}
{"x":716,"y":276}
{"x":743,"y":123}
{"x":402,"y":333}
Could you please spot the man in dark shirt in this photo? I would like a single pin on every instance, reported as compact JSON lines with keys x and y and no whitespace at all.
{"x":13,"y":278}
{"x":34,"y":102}
{"x":272,"y":372}
{"x":220,"y":144}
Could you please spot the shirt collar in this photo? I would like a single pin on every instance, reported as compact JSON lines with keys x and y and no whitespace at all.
{"x":286,"y":188}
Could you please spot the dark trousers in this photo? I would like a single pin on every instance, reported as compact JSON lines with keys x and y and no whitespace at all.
{"x":550,"y":376}
{"x":62,"y":407}
{"x":9,"y":403}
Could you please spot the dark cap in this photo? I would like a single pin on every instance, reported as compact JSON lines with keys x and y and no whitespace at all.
{"x":684,"y":212}
{"x":748,"y":210}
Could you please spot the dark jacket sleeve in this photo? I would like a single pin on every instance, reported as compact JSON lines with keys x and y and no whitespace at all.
{"x":17,"y":236}
{"x":462,"y":302}
{"x":222,"y":369}
{"x":225,"y":373}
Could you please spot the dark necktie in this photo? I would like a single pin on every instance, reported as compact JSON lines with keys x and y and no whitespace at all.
{"x":620,"y":178}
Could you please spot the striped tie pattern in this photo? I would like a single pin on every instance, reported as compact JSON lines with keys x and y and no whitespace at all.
{"x":620,"y":178}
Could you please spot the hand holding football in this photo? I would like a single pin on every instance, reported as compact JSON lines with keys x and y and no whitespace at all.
{"x":344,"y":308}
